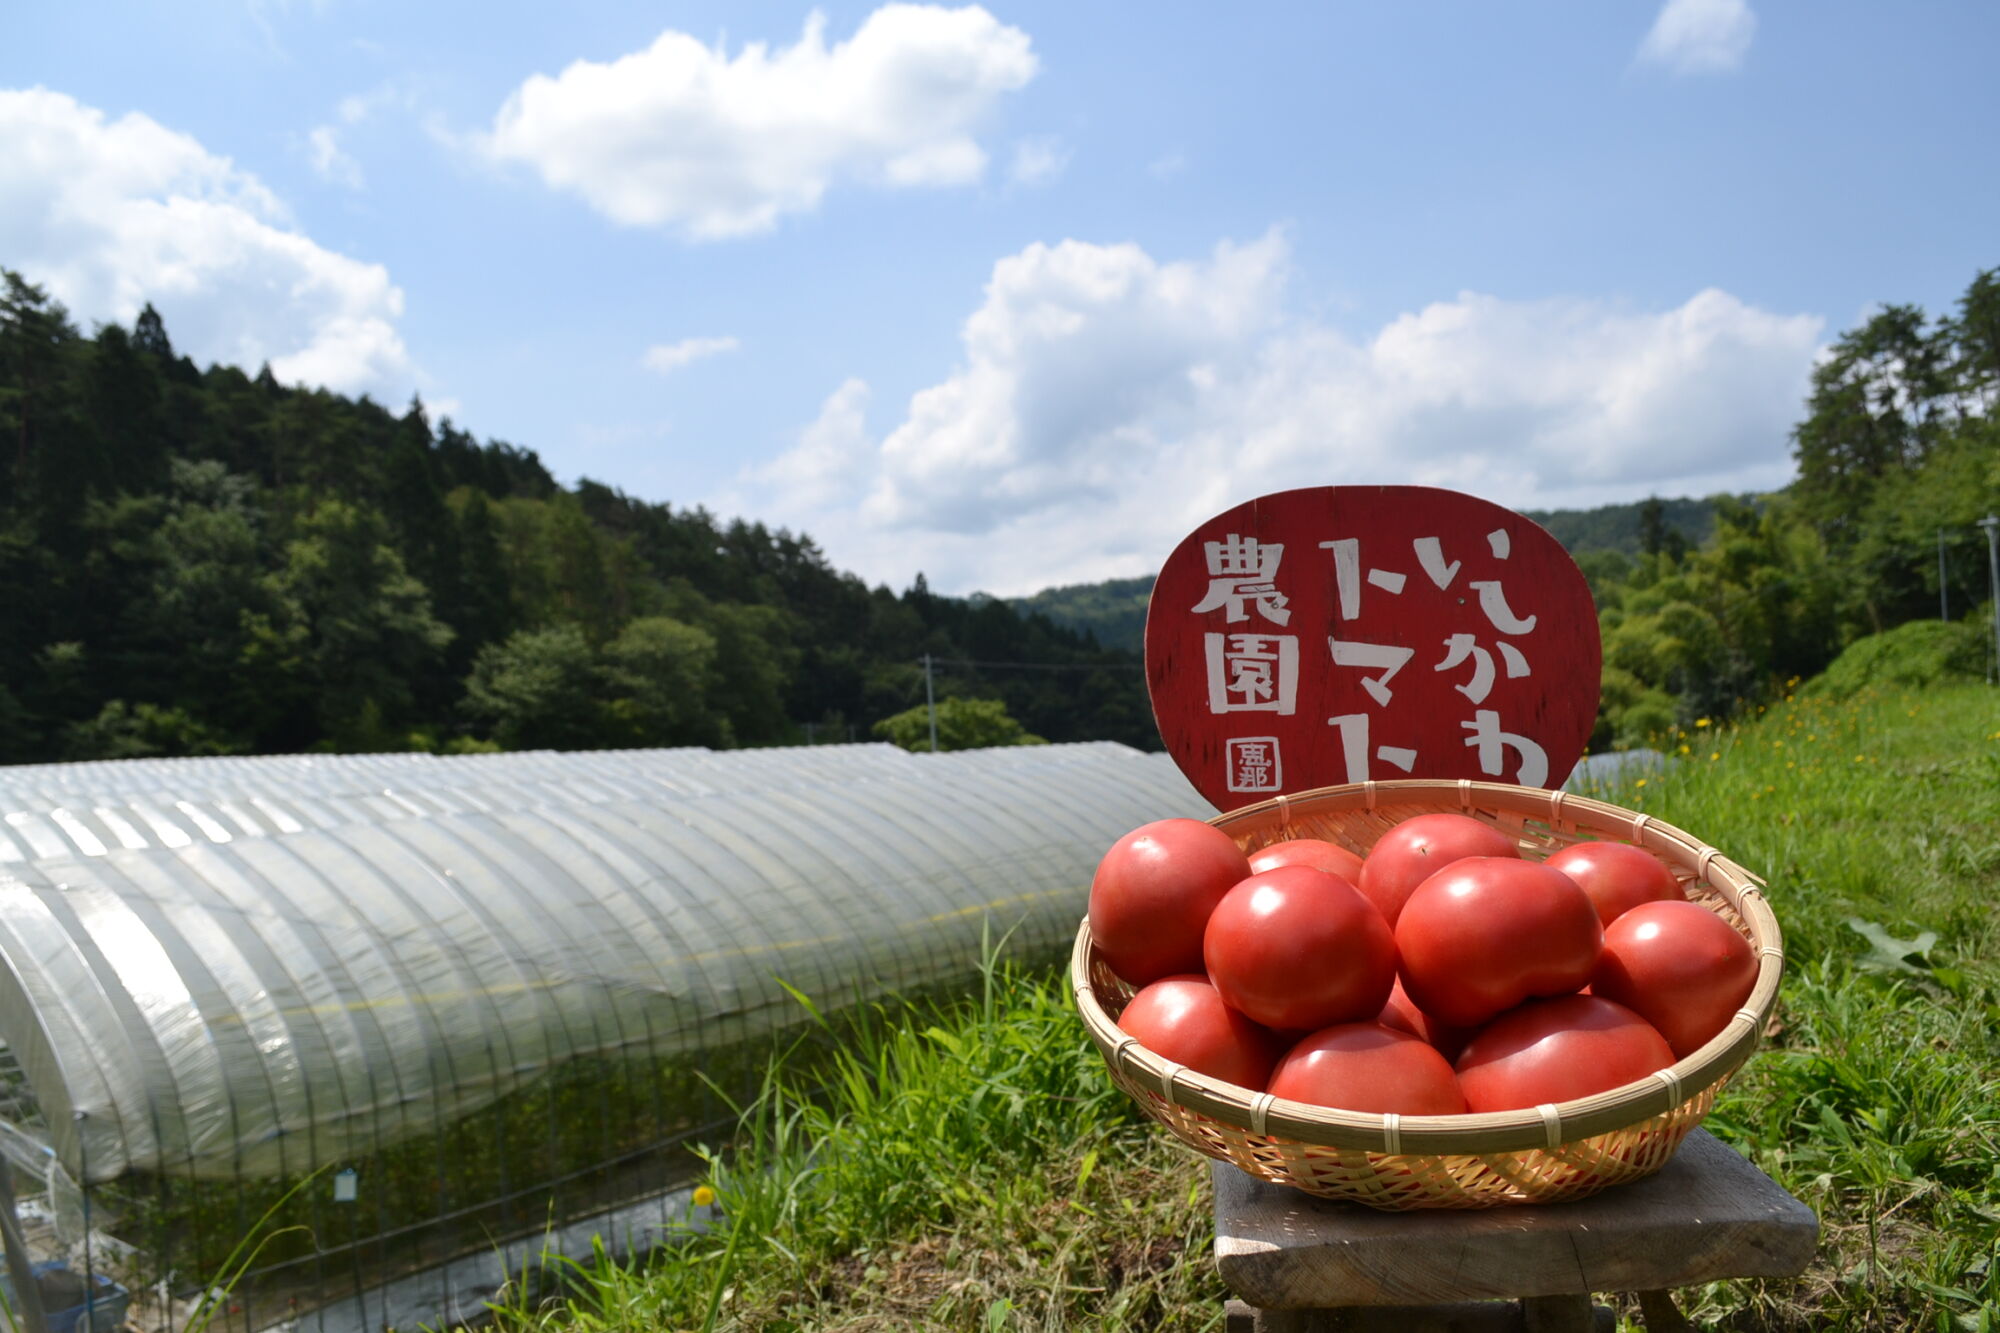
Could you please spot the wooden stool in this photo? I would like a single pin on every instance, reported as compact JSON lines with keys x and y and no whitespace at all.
{"x":1308,"y":1265}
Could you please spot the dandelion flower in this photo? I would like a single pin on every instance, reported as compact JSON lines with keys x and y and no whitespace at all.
{"x":1701,"y":722}
{"x":703,"y":1196}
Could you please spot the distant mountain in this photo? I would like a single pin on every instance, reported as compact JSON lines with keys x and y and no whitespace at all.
{"x":1115,"y":610}
{"x":1622,"y":527}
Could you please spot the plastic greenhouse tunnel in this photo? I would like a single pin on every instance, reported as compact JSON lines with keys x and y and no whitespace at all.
{"x":466,"y":1000}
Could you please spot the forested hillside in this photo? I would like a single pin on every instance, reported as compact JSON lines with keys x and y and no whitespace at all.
{"x":202,"y":561}
{"x":1898,"y":458}
{"x":1632,"y":529}
{"x":1114,"y":611}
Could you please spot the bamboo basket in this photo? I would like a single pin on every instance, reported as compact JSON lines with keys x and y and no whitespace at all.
{"x":1557,"y":1151}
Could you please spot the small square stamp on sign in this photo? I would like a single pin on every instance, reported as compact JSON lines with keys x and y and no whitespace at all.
{"x":1254,"y":764}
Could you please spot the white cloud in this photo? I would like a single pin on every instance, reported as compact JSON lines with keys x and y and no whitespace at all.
{"x":111,"y":214}
{"x":1038,"y":161}
{"x":330,"y":160}
{"x":1109,"y":402}
{"x":668,"y":357}
{"x":687,"y":137}
{"x":1700,"y":36}
{"x":823,"y":470}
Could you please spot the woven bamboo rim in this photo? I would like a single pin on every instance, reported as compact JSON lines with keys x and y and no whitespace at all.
{"x":1555,"y":1151}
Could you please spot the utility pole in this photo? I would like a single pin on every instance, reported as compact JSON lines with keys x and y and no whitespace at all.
{"x":930,"y":701}
{"x":1992,"y":526}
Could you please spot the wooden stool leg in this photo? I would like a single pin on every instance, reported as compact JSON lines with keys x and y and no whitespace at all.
{"x":1660,"y":1313}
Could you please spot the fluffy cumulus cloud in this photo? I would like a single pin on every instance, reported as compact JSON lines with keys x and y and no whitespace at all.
{"x":1108,"y":402}
{"x":1700,"y":36}
{"x":687,"y":137}
{"x":110,"y":214}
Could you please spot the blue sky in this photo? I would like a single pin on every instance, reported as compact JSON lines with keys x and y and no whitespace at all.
{"x":1018,"y":295}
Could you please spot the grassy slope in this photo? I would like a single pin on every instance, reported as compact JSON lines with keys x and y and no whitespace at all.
{"x":974,"y":1169}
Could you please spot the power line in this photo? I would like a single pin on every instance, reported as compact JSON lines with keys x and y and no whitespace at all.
{"x":1037,"y":666}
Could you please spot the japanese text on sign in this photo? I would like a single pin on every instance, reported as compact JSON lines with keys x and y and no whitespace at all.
{"x":1259,"y":672}
{"x":1347,"y":633}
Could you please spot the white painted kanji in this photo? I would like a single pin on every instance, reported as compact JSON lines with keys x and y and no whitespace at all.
{"x":1252,"y":673}
{"x":1243,"y":569}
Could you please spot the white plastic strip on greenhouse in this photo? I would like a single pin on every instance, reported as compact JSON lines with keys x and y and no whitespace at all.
{"x":254,"y":965}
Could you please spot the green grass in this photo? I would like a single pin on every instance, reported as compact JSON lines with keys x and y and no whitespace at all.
{"x":1877,"y":1100}
{"x":968,"y":1166}
{"x":972,"y":1168}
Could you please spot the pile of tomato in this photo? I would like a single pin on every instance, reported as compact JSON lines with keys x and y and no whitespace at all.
{"x":1444,"y":973}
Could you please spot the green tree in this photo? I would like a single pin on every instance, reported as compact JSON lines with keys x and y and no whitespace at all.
{"x":1879,"y":403}
{"x":1975,"y":336}
{"x":42,"y":436}
{"x":353,"y":628}
{"x":656,"y":677}
{"x":123,"y":730}
{"x":189,"y":576}
{"x":482,"y":611}
{"x":539,"y":690}
{"x":18,"y":742}
{"x":962,"y":724}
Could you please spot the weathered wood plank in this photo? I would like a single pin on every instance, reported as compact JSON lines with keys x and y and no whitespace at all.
{"x":1707,"y":1215}
{"x":1459,"y":1317}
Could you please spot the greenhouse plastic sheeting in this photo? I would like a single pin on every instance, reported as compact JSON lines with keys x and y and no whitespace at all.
{"x":223,"y":966}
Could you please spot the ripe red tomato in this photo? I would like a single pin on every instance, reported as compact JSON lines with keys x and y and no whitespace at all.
{"x":1418,"y":848}
{"x":1488,"y":932}
{"x":1182,"y":1018}
{"x":1315,"y":852}
{"x":1153,"y":891}
{"x":1298,"y":949}
{"x":1401,"y":1013}
{"x":1616,"y":875}
{"x":1556,"y":1051}
{"x":1368,"y":1067}
{"x":1680,"y":967}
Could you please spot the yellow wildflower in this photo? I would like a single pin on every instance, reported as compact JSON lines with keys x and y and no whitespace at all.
{"x":703,"y":1196}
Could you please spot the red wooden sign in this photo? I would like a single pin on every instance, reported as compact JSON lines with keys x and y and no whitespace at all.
{"x":1346,"y":633}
